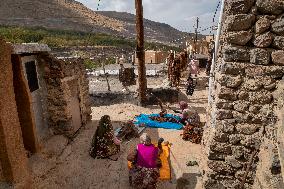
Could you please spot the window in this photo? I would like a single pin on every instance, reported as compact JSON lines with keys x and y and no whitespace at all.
{"x":32,"y":76}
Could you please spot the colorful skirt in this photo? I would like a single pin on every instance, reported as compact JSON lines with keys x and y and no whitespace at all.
{"x":144,"y":178}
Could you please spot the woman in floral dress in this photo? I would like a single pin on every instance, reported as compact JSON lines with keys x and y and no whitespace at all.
{"x":104,"y":143}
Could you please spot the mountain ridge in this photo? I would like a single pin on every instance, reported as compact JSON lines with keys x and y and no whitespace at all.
{"x":74,"y":16}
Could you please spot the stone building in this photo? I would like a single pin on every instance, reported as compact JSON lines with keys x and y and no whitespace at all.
{"x":154,"y":57}
{"x":39,"y":96}
{"x":243,"y":142}
{"x":199,"y":47}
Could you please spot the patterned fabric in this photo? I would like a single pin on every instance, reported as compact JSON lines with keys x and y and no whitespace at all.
{"x":183,"y":105}
{"x":176,"y":72}
{"x":127,"y":76}
{"x":194,"y":119}
{"x":190,"y":86}
{"x":144,"y":178}
{"x":194,"y":67}
{"x":192,"y":134}
{"x":103,"y":143}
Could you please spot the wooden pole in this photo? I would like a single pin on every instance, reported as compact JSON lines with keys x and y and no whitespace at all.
{"x":106,"y":76}
{"x":196,"y":35}
{"x":142,"y":81}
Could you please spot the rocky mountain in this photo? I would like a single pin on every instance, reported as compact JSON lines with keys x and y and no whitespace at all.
{"x":72,"y":15}
{"x":154,"y":31}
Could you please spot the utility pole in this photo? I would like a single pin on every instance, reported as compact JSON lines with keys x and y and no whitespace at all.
{"x":196,"y":34}
{"x":142,"y":81}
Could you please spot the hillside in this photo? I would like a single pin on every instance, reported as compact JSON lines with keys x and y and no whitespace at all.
{"x":153,"y":30}
{"x":74,"y":16}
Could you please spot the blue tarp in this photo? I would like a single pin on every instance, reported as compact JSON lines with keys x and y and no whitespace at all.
{"x":145,"y":119}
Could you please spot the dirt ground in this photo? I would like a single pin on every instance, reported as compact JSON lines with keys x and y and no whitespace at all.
{"x":67,"y":165}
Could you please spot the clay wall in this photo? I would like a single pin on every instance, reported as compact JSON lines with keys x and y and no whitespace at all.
{"x":154,"y":57}
{"x":243,"y":124}
{"x":1,"y":174}
{"x":13,"y":156}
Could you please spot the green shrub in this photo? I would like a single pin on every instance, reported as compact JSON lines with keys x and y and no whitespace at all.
{"x":90,"y":64}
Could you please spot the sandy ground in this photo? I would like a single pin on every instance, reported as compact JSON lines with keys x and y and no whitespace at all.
{"x":67,"y":165}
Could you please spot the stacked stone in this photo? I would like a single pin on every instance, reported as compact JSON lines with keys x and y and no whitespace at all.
{"x":59,"y":118}
{"x":77,"y":68}
{"x":249,"y":67}
{"x":59,"y":115}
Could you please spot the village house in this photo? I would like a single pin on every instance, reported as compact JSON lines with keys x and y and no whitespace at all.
{"x":199,"y":47}
{"x":154,"y":57}
{"x":40,"y":96}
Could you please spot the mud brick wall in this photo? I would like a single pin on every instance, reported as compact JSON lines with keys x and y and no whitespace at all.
{"x":246,"y":93}
{"x":57,"y":74}
{"x":13,"y":160}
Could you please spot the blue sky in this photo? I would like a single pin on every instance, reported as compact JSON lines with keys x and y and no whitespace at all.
{"x":180,"y":14}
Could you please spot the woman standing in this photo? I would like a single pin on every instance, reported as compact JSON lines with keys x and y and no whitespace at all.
{"x":104,"y":143}
{"x":145,"y":161}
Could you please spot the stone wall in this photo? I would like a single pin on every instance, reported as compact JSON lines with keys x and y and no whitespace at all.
{"x":271,"y":154}
{"x":57,"y":75}
{"x":243,"y":119}
{"x":280,"y":131}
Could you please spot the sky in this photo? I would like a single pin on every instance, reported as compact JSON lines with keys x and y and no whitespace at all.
{"x":181,"y":14}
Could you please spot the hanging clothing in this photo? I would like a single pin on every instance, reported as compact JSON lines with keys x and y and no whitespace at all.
{"x":194,"y":67}
{"x":104,"y":143}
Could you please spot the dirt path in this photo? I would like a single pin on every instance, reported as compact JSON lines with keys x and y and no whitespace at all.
{"x":74,"y":168}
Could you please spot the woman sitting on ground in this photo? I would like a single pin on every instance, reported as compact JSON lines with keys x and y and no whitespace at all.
{"x":104,"y":143}
{"x":145,"y":160}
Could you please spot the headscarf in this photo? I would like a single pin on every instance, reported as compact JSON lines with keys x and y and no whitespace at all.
{"x":145,"y":139}
{"x":183,"y":105}
{"x":103,"y":143}
{"x":104,"y":125}
{"x":104,"y":129}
